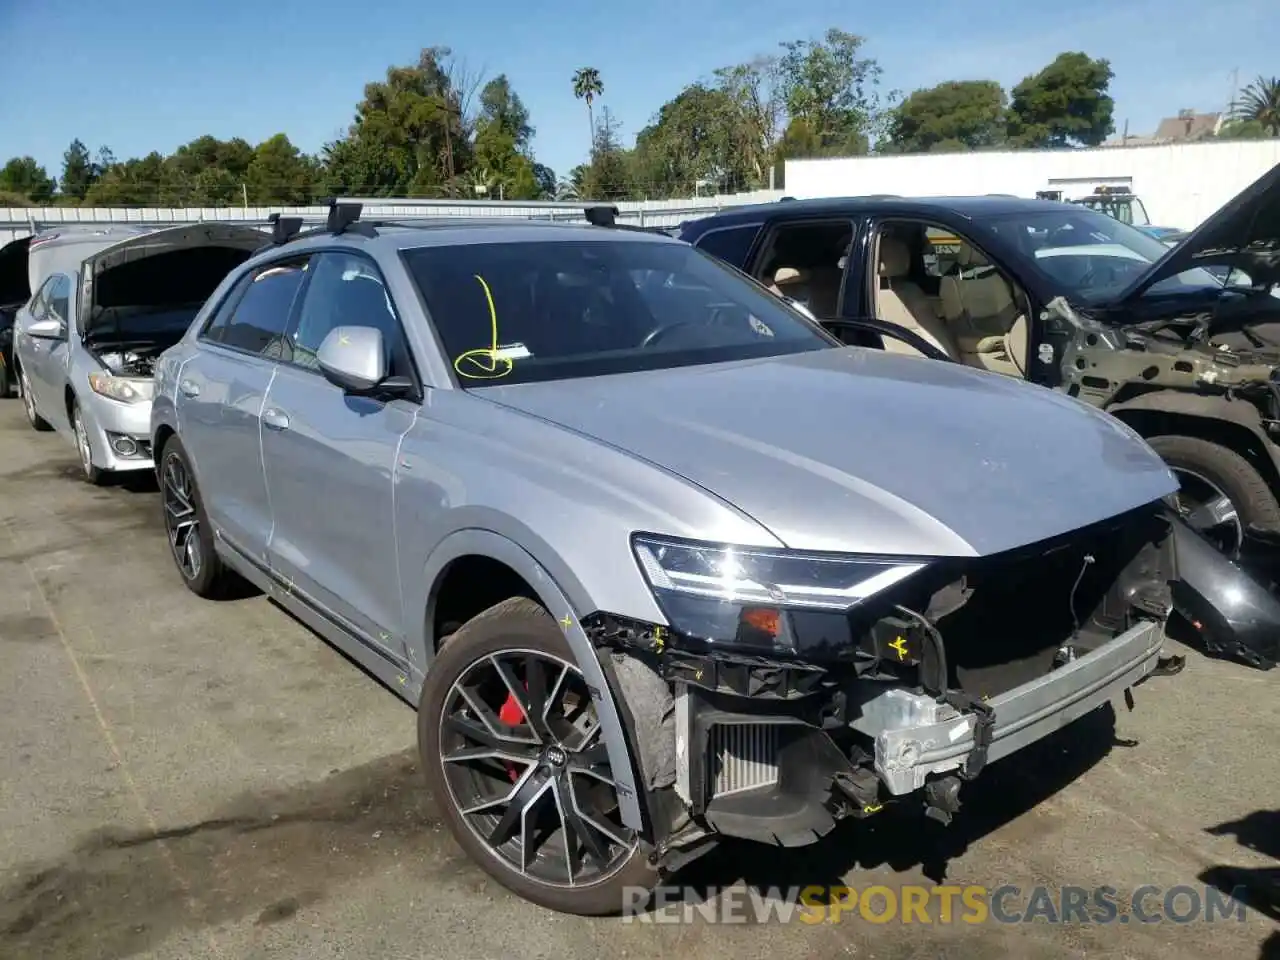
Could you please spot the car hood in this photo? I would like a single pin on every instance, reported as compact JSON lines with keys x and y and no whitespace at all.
{"x":1245,"y":233}
{"x":14,"y":286}
{"x":863,"y":451}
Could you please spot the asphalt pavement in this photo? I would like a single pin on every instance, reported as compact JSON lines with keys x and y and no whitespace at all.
{"x":183,"y":778}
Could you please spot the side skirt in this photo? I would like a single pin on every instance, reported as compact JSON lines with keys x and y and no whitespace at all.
{"x":392,"y":670}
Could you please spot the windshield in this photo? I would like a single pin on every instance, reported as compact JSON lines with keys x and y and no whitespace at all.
{"x":1125,"y":209}
{"x":1091,"y":257}
{"x":524,"y":311}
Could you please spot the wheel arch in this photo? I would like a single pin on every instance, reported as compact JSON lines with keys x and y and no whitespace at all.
{"x":478,"y":545}
{"x":1230,"y":423}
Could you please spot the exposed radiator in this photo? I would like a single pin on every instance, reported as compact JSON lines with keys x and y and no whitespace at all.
{"x":743,"y":756}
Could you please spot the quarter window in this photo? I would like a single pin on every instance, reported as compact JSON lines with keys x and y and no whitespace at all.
{"x":60,"y":297}
{"x":261,"y":317}
{"x":731,"y":244}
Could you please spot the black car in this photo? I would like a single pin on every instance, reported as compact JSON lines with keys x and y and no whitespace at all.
{"x":1182,"y":343}
{"x":14,"y":292}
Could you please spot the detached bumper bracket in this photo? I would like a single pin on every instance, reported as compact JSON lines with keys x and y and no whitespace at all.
{"x":983,"y":727}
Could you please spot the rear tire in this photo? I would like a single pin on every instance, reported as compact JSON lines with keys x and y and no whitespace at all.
{"x":38,"y":423}
{"x":1220,"y":470}
{"x":187,"y":526}
{"x":542,"y":763}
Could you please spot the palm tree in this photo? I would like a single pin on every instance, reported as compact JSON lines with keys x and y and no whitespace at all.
{"x":1260,"y":102}
{"x":587,"y":86}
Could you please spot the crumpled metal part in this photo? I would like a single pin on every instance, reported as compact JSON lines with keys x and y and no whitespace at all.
{"x":652,"y":709}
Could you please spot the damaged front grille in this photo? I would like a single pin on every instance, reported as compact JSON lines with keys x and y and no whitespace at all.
{"x":1033,"y":609}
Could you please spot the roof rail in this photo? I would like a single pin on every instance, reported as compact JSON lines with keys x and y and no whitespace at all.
{"x":601,"y":215}
{"x":283,"y":229}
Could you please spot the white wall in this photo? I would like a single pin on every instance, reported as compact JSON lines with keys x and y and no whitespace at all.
{"x":1179,"y":185}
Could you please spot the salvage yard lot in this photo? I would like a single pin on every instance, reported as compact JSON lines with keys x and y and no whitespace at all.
{"x":181,"y":778}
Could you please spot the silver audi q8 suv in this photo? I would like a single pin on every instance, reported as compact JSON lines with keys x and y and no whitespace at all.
{"x":657,"y":559}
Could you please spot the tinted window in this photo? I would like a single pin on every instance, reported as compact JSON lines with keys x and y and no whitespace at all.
{"x":515,"y":312}
{"x":40,"y":302}
{"x":217,"y":324}
{"x":731,"y":244}
{"x":346,"y":290}
{"x":60,"y":297}
{"x":260,"y":318}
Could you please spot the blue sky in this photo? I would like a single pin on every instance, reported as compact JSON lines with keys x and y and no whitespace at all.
{"x":142,"y":75}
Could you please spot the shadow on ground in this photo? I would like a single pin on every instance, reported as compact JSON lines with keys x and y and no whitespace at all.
{"x":120,"y":893}
{"x":1258,"y":887}
{"x":903,"y":839}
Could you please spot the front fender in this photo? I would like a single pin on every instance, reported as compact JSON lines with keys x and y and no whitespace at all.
{"x":1205,"y":411}
{"x":478,"y":542}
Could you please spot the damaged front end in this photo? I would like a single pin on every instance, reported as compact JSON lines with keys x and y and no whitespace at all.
{"x":769,"y":709}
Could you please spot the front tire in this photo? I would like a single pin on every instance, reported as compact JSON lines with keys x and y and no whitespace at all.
{"x":513,"y":753}
{"x":1222,"y":494}
{"x":187,"y":526}
{"x":38,"y":423}
{"x":92,"y":474}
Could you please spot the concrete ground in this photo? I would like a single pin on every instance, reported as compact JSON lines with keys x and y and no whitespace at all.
{"x":181,"y":778}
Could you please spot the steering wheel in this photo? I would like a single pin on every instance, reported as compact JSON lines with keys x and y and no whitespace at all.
{"x":660,"y":331}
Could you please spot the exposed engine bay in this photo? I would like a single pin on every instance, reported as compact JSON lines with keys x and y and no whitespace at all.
{"x":139,"y":362}
{"x":909,"y":693}
{"x":1105,"y":364}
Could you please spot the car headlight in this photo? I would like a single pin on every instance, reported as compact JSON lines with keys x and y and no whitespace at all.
{"x":123,"y":389}
{"x":750,"y":596}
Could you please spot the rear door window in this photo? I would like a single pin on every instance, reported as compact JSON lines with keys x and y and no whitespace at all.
{"x":261,"y":317}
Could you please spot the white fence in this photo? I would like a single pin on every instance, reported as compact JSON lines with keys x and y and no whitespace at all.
{"x":1179,"y":184}
{"x":17,"y":222}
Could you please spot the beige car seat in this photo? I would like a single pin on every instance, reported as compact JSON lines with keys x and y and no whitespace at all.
{"x":984,"y":317}
{"x":902,"y":302}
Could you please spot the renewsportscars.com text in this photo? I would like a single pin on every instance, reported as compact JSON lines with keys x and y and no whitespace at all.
{"x":973,"y":904}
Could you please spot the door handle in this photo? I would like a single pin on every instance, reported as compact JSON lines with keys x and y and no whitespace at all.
{"x":189,"y":388}
{"x":274,"y":419}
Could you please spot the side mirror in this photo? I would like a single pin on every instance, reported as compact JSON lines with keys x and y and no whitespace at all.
{"x":353,"y":358}
{"x":51,"y":329}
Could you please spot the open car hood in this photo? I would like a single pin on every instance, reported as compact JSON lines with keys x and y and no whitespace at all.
{"x":1244,"y":233}
{"x":15,"y":288}
{"x":113,"y":265}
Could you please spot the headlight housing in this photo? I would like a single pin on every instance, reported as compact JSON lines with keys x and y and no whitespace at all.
{"x":122,"y":389}
{"x":753,"y":597}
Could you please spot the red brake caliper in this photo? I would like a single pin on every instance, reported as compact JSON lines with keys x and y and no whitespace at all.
{"x":512,"y":716}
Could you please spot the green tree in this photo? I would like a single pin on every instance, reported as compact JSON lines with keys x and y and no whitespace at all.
{"x":25,"y":177}
{"x":279,"y":174}
{"x":1065,"y":103}
{"x":831,"y":94}
{"x":1243,"y":130}
{"x":412,"y":130}
{"x":754,"y":88}
{"x":502,"y":106}
{"x":77,"y":171}
{"x":587,"y":85}
{"x":547,"y":181}
{"x":608,"y":175}
{"x":1260,"y":103}
{"x":964,"y":115}
{"x":693,"y":138}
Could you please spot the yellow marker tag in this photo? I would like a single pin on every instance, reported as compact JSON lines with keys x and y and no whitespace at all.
{"x":900,"y":645}
{"x":566,"y":621}
{"x":873,"y":808}
{"x":344,"y":340}
{"x":484,"y":363}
